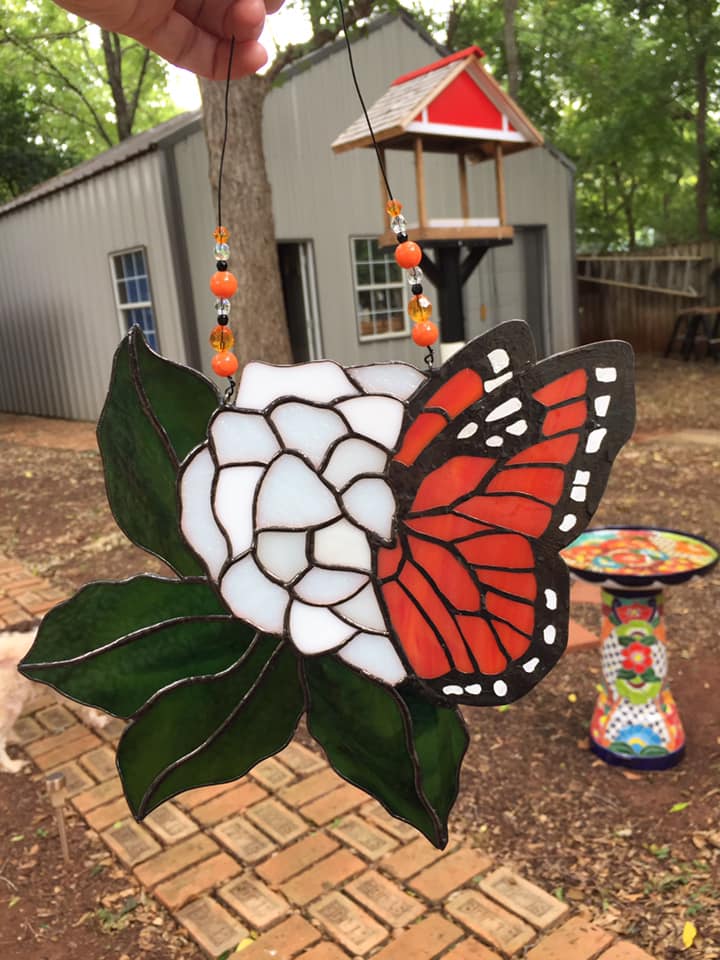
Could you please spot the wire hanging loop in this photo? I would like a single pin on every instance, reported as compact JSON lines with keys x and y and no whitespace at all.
{"x":229,"y":391}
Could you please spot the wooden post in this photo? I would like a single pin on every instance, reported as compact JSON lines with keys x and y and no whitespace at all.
{"x":500,"y":184}
{"x":420,"y":182}
{"x":464,"y":198}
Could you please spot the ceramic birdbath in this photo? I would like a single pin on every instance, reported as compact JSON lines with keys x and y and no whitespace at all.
{"x":636,"y":722}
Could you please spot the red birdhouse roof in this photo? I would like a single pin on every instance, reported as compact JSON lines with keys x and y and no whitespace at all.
{"x":453,"y":104}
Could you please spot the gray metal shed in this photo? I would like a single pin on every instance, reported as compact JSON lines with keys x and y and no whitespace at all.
{"x":123,"y":238}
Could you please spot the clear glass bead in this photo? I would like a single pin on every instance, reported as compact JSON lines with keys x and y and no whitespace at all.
{"x":398,"y":224}
{"x":222,"y":307}
{"x":222,"y":251}
{"x":414,"y":275}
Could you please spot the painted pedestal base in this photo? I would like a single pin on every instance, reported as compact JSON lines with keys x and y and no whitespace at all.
{"x":635,"y":723}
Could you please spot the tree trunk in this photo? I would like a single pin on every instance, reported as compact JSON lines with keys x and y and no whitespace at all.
{"x":703,"y":158}
{"x":113,"y":61}
{"x":258,"y":313}
{"x":512,"y":57}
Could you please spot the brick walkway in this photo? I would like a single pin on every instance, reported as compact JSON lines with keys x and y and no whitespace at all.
{"x":292,"y":862}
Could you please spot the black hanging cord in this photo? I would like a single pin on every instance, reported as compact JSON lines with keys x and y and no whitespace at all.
{"x":362,"y":102}
{"x":225,"y":131}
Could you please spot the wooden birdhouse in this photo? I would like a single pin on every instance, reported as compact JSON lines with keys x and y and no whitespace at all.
{"x":452,"y":106}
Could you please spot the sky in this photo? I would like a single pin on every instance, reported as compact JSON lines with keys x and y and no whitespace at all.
{"x":288,"y":25}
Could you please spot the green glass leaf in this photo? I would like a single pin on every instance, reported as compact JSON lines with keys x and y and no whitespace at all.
{"x":155,"y":412}
{"x":114,"y":645}
{"x":212,"y":730}
{"x":652,"y":750}
{"x":403,"y":751}
{"x":441,"y":739}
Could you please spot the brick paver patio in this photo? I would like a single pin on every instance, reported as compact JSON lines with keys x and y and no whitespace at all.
{"x":292,"y":862}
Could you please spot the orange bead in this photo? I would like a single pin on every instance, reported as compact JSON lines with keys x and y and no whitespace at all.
{"x":225,"y":364}
{"x":222,"y":338}
{"x":419,"y":309}
{"x":408,"y":254}
{"x":223,"y":284}
{"x":393,"y":208}
{"x":221,"y":234}
{"x":425,"y":334}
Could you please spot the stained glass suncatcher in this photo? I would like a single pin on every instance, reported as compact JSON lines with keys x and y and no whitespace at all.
{"x":371,"y":546}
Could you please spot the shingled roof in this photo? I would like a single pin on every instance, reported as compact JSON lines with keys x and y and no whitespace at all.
{"x":453,"y":104}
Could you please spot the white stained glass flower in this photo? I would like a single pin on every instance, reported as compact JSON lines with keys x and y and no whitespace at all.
{"x":284,"y":499}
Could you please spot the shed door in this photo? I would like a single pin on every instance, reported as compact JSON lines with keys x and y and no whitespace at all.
{"x":513,"y":283}
{"x":297,"y":270}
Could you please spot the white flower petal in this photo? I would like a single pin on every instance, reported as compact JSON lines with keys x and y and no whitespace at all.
{"x":379,"y":418}
{"x":375,"y":655}
{"x":254,"y":598}
{"x":353,"y":457}
{"x":197,"y":522}
{"x":371,"y":503}
{"x":364,"y":610}
{"x":242,"y":438}
{"x":292,"y":496}
{"x":282,"y":553}
{"x":320,"y":381}
{"x":317,"y":629}
{"x":329,"y":586}
{"x":342,"y":544}
{"x":399,"y":380}
{"x":307,"y":429}
{"x":234,"y":496}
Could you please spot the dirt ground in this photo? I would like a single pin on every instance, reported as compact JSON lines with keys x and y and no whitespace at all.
{"x":532,"y":793}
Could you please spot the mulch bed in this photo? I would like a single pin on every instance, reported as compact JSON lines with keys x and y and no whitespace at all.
{"x":532,"y":793}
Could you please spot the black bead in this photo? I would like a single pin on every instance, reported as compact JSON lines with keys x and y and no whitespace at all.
{"x":402,"y":237}
{"x":223,"y":319}
{"x":416,"y":289}
{"x":221,"y":264}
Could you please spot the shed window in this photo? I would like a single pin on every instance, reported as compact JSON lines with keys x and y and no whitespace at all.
{"x":132,"y":293}
{"x":380,"y":291}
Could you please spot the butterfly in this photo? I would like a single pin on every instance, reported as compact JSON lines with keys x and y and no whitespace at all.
{"x":501,"y":463}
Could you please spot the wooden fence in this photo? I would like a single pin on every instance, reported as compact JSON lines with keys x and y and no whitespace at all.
{"x":645,"y":318}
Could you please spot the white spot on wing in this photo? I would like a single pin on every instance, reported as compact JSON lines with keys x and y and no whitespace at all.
{"x":582,"y":477}
{"x":578,"y":494}
{"x":474,"y":689}
{"x":500,"y":688}
{"x":504,"y":409}
{"x":499,"y":359}
{"x":549,"y":634}
{"x":452,"y":690}
{"x":595,"y":438}
{"x":467,"y":431}
{"x":550,"y":599}
{"x":491,"y":385}
{"x":518,"y":428}
{"x":494,"y":441}
{"x":567,"y":522}
{"x":606,"y":374}
{"x":602,"y":404}
{"x":530,"y":665}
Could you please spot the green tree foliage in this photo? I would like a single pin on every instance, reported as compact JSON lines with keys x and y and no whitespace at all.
{"x":630,"y":91}
{"x":74,"y":91}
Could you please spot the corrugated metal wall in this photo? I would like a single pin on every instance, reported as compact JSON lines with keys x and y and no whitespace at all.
{"x":59,"y":325}
{"x":340,"y":198}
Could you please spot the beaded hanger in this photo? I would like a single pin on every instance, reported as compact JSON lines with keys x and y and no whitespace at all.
{"x":408,"y":254}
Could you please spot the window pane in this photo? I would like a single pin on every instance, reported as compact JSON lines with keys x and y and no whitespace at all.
{"x":143,"y":317}
{"x":122,"y":291}
{"x":139,"y":263}
{"x":363,"y":273}
{"x":132,"y":291}
{"x":380,"y":290}
{"x":143,"y":288}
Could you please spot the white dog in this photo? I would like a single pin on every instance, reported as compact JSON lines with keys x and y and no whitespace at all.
{"x":16,"y":690}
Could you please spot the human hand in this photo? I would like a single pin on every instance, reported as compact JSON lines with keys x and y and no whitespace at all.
{"x":194,"y":34}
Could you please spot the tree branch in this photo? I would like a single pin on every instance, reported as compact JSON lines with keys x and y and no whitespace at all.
{"x":39,"y":57}
{"x":358,"y":11}
{"x":138,"y":88}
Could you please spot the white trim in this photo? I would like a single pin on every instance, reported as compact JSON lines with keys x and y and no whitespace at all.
{"x":123,"y":308}
{"x":310,"y":298}
{"x":358,"y":287}
{"x":472,"y":133}
{"x":505,"y":122}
